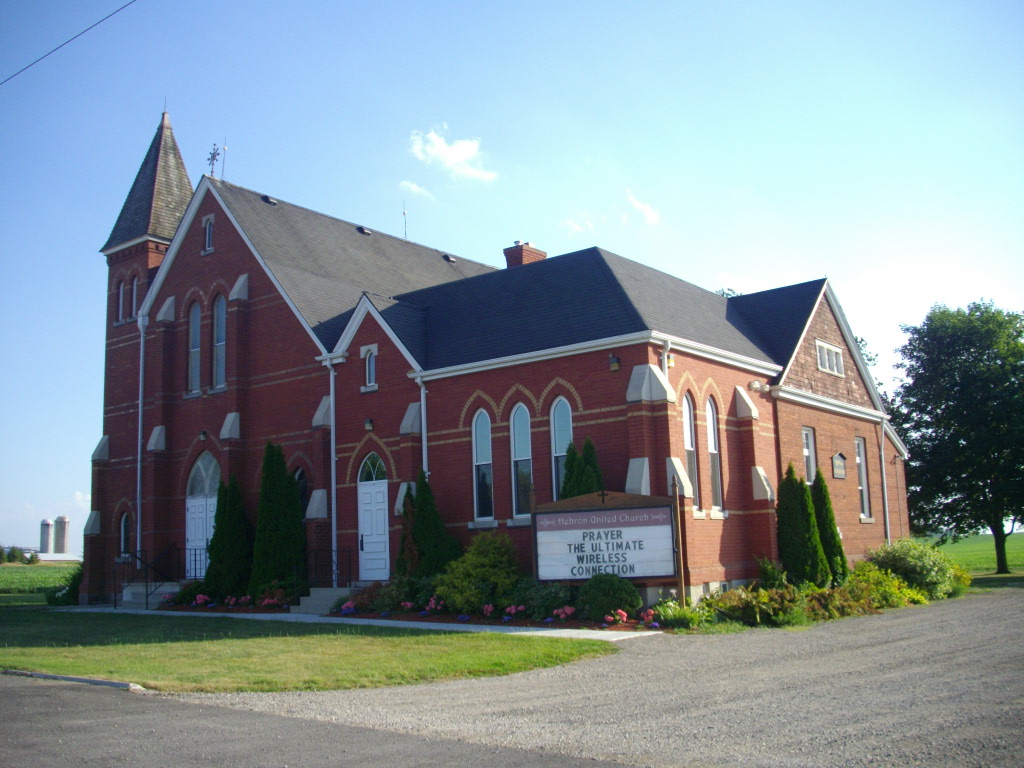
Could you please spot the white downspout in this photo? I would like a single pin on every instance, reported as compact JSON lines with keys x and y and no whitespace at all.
{"x":334,"y":487}
{"x":143,"y":323}
{"x":885,"y":485}
{"x":423,"y":426}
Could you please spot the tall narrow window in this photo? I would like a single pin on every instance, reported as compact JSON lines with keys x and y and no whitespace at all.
{"x":371,"y":369}
{"x":126,"y":534}
{"x":193,"y":347}
{"x":690,"y":446}
{"x":561,"y":436}
{"x":220,"y":318}
{"x":208,"y":234}
{"x":715,"y":458}
{"x":862,"y":477}
{"x":810,"y":454}
{"x":120,"y":301}
{"x":483,"y":485}
{"x":522,"y":461}
{"x":302,"y":486}
{"x":135,"y":296}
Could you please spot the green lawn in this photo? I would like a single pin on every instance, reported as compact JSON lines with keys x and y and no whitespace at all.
{"x":182,"y":653}
{"x":17,"y":578}
{"x":977,"y":554}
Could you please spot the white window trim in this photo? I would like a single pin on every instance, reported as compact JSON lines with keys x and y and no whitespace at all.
{"x":714,"y":448}
{"x":863,"y":488}
{"x":490,"y":451}
{"x":221,"y":346}
{"x":810,"y":453}
{"x":690,"y":431}
{"x":516,"y":512}
{"x":822,"y":349}
{"x":207,"y":234}
{"x":366,"y":354}
{"x":196,"y":352}
{"x":120,"y":301}
{"x":554,"y":456}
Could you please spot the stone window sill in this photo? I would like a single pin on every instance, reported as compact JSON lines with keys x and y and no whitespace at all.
{"x":368,"y":388}
{"x":520,"y":522}
{"x":217,"y":390}
{"x":867,"y":520}
{"x":719,"y":514}
{"x":482,"y":525}
{"x":699,"y":514}
{"x":192,"y":395}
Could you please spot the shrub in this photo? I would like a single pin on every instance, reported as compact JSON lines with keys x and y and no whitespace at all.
{"x":769,"y":575}
{"x":33,"y":558}
{"x":839,"y":602}
{"x":582,"y":473}
{"x":881,"y":588}
{"x":15,"y":555}
{"x":606,"y":593}
{"x":961,"y":581}
{"x":187,"y":594}
{"x":825,"y":517}
{"x":231,"y":546}
{"x":280,"y":546}
{"x":68,"y":593}
{"x":436,"y":546}
{"x":408,"y":553}
{"x":486,"y":573}
{"x":799,"y":543}
{"x":540,"y":599}
{"x":919,"y":564}
{"x":675,"y":615}
{"x":759,"y":607}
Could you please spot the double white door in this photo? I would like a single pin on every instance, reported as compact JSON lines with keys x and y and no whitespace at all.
{"x":374,"y":555}
{"x":199,"y":517}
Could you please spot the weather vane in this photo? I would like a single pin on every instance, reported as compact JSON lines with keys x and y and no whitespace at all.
{"x":212,"y":159}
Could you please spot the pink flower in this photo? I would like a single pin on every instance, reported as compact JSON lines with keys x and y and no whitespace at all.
{"x":622,"y":615}
{"x":609,"y":619}
{"x":407,"y":605}
{"x":488,"y":609}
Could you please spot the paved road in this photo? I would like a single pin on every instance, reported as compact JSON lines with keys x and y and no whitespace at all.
{"x":941,"y":685}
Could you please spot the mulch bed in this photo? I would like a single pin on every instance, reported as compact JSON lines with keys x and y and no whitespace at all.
{"x":219,"y":609}
{"x":479,"y":621}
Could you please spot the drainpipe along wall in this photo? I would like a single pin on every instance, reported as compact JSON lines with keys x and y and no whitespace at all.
{"x":142,"y":322}
{"x":334,"y":485}
{"x":423,"y":427}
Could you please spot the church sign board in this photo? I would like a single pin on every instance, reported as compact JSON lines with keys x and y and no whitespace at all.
{"x":632,"y":543}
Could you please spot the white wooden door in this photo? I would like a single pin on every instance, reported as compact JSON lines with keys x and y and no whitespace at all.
{"x":374,"y":555}
{"x":199,"y":519}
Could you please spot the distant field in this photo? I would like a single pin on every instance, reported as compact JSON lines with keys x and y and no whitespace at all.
{"x":23,"y":579}
{"x":978,"y":553}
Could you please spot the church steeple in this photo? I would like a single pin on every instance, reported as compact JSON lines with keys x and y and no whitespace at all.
{"x":158,"y":197}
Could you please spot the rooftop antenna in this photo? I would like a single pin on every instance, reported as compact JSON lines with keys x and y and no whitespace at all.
{"x":212,"y":159}
{"x":224,"y":161}
{"x":405,"y":219}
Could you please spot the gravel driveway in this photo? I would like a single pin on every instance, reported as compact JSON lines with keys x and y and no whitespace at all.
{"x":941,"y":685}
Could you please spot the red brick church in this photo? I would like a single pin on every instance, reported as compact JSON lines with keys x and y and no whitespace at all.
{"x":234,"y":319}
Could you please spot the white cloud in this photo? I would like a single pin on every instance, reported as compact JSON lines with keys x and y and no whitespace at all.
{"x":83,"y":500}
{"x":651,"y":216}
{"x":461,"y":158}
{"x":578,"y":223}
{"x":415,"y":189}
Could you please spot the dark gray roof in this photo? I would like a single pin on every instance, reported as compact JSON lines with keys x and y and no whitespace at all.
{"x":586,"y":296}
{"x":326,"y":264}
{"x":777,"y":317}
{"x":159,"y":195}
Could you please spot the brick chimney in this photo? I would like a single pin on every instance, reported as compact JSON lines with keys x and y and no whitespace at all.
{"x":522,"y":253}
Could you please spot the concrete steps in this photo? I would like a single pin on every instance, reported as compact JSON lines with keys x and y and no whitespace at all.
{"x":134,"y":595}
{"x":320,"y":600}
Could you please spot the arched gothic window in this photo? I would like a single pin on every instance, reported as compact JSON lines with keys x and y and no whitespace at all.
{"x":220,"y":318}
{"x":120,"y":300}
{"x":135,"y":296}
{"x":205,"y":476}
{"x":193,"y":347}
{"x":713,"y":455}
{"x":690,"y":446}
{"x":561,"y":436}
{"x":126,"y":534}
{"x":483,"y":480}
{"x":522,"y":461}
{"x":372,"y":469}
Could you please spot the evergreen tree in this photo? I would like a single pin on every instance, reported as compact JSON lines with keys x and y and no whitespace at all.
{"x":436,"y":546}
{"x":231,"y":546}
{"x":408,"y":553}
{"x":572,"y":471}
{"x":831,"y":544}
{"x":280,"y":545}
{"x":590,"y":461}
{"x":799,"y":543}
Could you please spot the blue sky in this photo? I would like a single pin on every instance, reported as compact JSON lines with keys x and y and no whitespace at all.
{"x":731,"y":144}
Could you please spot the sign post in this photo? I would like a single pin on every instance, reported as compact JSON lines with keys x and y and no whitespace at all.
{"x":680,"y":521}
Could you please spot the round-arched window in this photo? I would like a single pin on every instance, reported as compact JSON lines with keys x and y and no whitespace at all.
{"x":372,"y":469}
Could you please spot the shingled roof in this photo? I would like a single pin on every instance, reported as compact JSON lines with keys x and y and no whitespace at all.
{"x":326,"y":264}
{"x":159,"y":195}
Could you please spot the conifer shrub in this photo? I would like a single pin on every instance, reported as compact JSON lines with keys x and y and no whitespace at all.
{"x":919,"y":564}
{"x":825,"y":517}
{"x":230,"y":548}
{"x":486,"y":573}
{"x":799,"y":543}
{"x":769,"y":575}
{"x":605,"y":593}
{"x":541,"y":598}
{"x":408,"y":553}
{"x":572,"y":473}
{"x":436,"y":547}
{"x":279,"y":550}
{"x":590,"y":461}
{"x":582,"y":473}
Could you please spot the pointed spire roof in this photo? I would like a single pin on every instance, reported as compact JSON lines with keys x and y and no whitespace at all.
{"x":158,"y":197}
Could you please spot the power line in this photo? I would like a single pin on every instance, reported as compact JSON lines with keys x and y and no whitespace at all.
{"x":68,"y":41}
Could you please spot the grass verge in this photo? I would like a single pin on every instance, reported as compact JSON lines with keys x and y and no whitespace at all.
{"x":21,"y":579}
{"x":218,"y":655}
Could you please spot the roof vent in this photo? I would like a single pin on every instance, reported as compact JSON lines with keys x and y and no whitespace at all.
{"x":268,"y":200}
{"x":364,"y":231}
{"x":449,"y":258}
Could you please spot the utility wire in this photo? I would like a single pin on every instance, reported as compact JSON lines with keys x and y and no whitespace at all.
{"x":68,"y":41}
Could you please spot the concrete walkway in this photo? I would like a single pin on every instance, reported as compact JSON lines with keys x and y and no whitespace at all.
{"x":579,"y":634}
